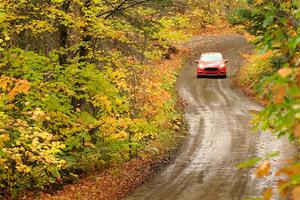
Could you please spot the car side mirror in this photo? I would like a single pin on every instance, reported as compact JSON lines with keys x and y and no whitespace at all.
{"x":225,"y":61}
{"x":197,"y":61}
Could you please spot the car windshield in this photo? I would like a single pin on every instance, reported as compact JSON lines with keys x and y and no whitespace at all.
{"x":211,"y":57}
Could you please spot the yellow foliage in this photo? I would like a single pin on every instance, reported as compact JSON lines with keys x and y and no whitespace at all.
{"x":267,"y":194}
{"x":256,"y":67}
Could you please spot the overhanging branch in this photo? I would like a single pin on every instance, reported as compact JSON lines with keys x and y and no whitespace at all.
{"x":120,"y":7}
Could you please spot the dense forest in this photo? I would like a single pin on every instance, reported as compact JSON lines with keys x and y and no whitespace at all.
{"x":78,"y":90}
{"x":81,"y":87}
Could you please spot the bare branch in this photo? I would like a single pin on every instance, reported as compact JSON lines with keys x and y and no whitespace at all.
{"x":121,"y":8}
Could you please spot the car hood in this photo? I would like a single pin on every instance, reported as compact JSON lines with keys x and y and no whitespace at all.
{"x":212,"y":64}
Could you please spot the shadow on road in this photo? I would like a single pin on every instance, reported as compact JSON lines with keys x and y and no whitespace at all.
{"x":212,"y":77}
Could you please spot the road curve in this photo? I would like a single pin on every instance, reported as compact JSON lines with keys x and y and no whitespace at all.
{"x":219,"y":135}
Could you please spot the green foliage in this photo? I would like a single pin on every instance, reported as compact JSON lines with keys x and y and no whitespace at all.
{"x":249,"y":163}
{"x":281,"y":35}
{"x":238,"y":16}
{"x":281,"y":116}
{"x":78,"y":89}
{"x":252,"y":162}
{"x":276,"y":25}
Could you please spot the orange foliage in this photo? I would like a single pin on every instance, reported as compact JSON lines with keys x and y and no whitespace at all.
{"x":297,"y":130}
{"x":291,"y":170}
{"x":296,"y":193}
{"x":285,"y":72}
{"x":263,"y":169}
{"x":151,"y":95}
{"x":13,"y":86}
{"x":279,"y":94}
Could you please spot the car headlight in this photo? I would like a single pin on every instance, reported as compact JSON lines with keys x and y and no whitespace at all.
{"x":222,"y":66}
{"x":201,"y":66}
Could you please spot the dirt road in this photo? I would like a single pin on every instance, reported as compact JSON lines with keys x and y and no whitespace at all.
{"x":219,"y":135}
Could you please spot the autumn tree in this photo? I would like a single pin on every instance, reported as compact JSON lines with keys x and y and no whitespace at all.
{"x":67,"y":93}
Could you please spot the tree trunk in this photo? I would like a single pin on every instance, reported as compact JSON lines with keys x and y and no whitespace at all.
{"x":63,"y":36}
{"x":87,"y":38}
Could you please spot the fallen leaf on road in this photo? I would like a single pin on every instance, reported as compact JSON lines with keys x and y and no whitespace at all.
{"x":263,"y":169}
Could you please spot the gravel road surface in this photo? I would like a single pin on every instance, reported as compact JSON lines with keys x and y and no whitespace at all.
{"x":219,"y":137}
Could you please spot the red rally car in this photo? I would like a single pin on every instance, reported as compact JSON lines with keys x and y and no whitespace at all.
{"x":211,"y":64}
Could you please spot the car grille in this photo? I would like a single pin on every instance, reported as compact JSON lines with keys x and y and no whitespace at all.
{"x":212,"y":69}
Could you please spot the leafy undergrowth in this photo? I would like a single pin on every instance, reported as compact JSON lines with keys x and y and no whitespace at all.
{"x":251,"y":73}
{"x":112,"y":184}
{"x":121,"y":179}
{"x":219,"y":26}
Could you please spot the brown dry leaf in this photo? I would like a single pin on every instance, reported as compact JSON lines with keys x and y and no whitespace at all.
{"x":263,"y":169}
{"x":297,"y":130}
{"x":253,"y":111}
{"x":267,"y":194}
{"x":285,"y":72}
{"x":296,"y":193}
{"x":296,"y":59}
{"x":298,"y":76}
